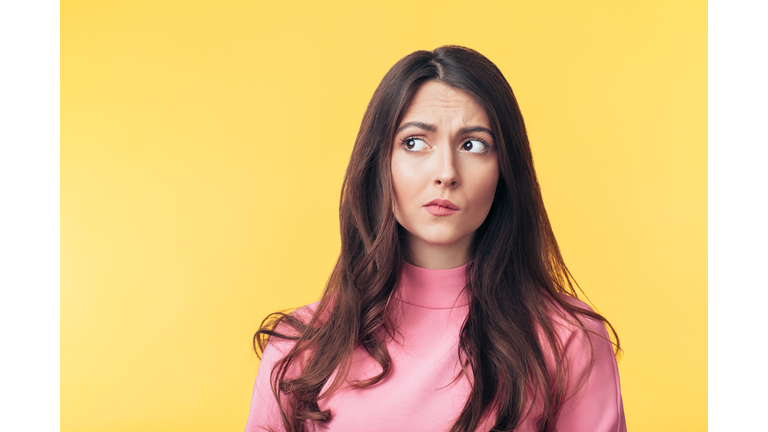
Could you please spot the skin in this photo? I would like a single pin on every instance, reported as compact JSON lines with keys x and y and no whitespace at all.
{"x":443,"y":149}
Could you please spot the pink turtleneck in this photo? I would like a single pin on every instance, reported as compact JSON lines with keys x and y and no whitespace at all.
{"x":422,"y":392}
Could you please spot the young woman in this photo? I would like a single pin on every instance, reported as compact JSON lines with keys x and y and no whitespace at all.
{"x":450,"y":307}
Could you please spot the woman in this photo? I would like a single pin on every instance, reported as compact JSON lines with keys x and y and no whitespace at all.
{"x":450,"y":307}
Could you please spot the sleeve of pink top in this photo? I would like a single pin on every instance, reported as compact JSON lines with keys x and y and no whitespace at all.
{"x":264,"y":414}
{"x":594,"y":405}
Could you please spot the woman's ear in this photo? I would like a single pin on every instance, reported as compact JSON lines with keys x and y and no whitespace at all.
{"x":394,"y":208}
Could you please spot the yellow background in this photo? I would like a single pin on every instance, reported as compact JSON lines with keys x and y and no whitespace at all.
{"x":203,"y":149}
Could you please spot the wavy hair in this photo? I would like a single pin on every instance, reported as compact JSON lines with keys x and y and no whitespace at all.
{"x":517,"y":279}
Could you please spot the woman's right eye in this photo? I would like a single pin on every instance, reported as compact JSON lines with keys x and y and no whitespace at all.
{"x":414,"y":144}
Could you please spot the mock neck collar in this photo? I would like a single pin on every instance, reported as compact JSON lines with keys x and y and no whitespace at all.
{"x":434,"y":289}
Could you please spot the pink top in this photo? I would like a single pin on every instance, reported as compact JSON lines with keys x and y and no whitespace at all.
{"x":421,"y":393}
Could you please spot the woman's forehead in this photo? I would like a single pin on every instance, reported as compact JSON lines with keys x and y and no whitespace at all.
{"x":438,"y":102}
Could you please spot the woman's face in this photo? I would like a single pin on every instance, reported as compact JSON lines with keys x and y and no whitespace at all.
{"x":444,"y":168}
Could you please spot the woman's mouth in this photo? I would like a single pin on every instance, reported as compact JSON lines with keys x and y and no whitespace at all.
{"x":441,"y":207}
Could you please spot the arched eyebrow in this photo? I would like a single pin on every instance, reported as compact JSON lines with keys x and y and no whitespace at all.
{"x":421,"y":125}
{"x":471,"y":129}
{"x":432,"y":128}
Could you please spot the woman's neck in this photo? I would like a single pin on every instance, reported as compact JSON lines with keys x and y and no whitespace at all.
{"x":433,"y":289}
{"x":436,"y":256}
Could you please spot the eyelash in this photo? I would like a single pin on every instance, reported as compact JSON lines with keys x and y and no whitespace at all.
{"x":408,"y":138}
{"x":487,"y":146}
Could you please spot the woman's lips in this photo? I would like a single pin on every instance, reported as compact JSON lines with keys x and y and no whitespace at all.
{"x":441,"y":207}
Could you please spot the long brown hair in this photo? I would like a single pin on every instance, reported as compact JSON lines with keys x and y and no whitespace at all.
{"x":517,"y":277}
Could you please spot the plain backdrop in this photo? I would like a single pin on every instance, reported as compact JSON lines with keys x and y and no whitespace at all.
{"x":203,"y":145}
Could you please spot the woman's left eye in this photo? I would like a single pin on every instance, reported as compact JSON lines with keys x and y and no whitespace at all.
{"x":474,"y":146}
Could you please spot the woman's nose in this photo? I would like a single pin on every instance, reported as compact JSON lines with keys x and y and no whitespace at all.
{"x":446,"y":173}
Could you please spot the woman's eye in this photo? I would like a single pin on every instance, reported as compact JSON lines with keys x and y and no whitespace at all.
{"x":414,"y":144}
{"x":474,"y":146}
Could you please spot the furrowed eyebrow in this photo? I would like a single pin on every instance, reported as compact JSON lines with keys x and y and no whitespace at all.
{"x":471,"y":129}
{"x":432,"y":128}
{"x":421,"y":125}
